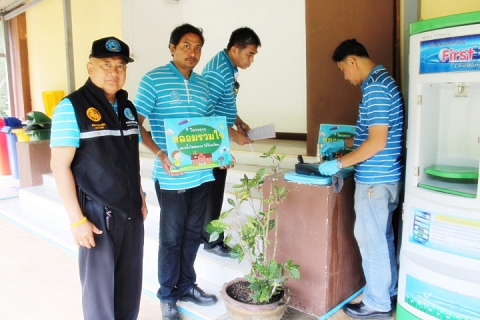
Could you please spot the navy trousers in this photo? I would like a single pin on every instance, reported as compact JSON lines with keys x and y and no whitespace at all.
{"x":214,"y":206}
{"x":182,"y":213}
{"x":111,"y":272}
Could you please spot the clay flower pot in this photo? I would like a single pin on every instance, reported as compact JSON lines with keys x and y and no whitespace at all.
{"x":242,"y":311}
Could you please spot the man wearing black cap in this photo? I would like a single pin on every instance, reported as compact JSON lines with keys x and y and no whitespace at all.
{"x":95,"y":162}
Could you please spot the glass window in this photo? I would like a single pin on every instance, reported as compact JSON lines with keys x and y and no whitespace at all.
{"x":4,"y":92}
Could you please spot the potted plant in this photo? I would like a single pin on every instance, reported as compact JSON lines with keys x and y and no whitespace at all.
{"x":263,"y":288}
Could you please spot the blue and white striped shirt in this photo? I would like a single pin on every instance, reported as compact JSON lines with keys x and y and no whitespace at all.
{"x":382,"y":104}
{"x":65,"y":131}
{"x":165,"y":93}
{"x":220,"y":75}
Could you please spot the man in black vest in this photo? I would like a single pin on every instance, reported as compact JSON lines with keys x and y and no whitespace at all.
{"x":95,"y":161}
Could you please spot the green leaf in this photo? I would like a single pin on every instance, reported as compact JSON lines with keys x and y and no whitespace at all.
{"x":214,"y":236}
{"x":260,"y":173}
{"x":227,"y":239}
{"x":271,"y":151}
{"x":292,"y":269}
{"x":273,"y":268}
{"x":237,"y":252}
{"x":231,"y":202}
{"x":271,"y":224}
{"x":209,"y":228}
{"x":217,"y":225}
{"x":262,"y":270}
{"x":294,"y":273}
{"x":224,"y":214}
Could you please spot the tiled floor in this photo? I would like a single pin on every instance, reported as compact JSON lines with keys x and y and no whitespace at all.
{"x":42,"y":281}
{"x":8,"y":187}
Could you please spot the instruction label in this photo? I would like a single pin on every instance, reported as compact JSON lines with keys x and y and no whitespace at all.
{"x":446,"y":233}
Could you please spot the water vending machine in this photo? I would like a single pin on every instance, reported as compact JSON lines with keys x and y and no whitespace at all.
{"x":439,"y":274}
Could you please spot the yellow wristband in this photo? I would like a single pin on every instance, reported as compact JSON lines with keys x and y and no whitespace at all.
{"x":76,"y":224}
{"x":158,"y":153}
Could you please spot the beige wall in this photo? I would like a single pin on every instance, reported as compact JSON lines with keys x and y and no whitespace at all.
{"x":91,"y":20}
{"x":439,"y":8}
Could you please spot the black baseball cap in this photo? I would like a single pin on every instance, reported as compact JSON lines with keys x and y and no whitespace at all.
{"x":110,"y":47}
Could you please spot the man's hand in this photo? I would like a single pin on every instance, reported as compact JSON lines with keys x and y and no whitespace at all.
{"x":328,"y":168}
{"x":83,"y":234}
{"x":330,"y":148}
{"x":229,"y":166}
{"x":144,"y":207}
{"x":240,"y":138}
{"x":167,"y":165}
{"x":243,"y":127}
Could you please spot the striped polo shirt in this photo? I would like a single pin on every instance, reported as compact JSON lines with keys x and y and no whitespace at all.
{"x":220,"y":75}
{"x":165,"y":93}
{"x":65,"y":131}
{"x":382,"y":104}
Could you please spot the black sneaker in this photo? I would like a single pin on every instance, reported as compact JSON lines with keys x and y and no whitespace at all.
{"x":170,"y":311}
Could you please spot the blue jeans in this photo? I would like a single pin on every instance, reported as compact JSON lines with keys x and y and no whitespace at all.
{"x":182,"y":213}
{"x":374,"y":206}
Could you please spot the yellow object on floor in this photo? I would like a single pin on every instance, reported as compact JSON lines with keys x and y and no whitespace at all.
{"x":50,"y":100}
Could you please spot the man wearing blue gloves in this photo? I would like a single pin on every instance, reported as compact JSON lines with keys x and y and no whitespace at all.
{"x":330,"y":168}
{"x":378,"y":161}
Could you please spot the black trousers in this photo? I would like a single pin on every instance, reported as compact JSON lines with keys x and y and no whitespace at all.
{"x":214,"y":205}
{"x":111,"y":272}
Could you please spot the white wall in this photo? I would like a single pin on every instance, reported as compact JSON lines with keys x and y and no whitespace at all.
{"x":273,"y":89}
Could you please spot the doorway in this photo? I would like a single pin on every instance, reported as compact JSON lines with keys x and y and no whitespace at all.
{"x":374,"y":23}
{"x":5,"y":110}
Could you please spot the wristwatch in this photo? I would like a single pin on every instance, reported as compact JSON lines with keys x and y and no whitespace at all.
{"x":339,"y":164}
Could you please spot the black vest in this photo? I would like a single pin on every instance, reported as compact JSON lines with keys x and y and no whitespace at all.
{"x":106,"y":166}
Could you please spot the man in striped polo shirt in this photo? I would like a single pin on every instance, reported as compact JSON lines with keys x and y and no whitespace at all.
{"x":378,"y":161}
{"x":173,"y":91}
{"x":221,"y":72}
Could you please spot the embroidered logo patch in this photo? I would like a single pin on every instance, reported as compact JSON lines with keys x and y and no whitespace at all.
{"x":93,"y":114}
{"x":129,"y":114}
{"x":175,"y":95}
{"x":113,"y":46}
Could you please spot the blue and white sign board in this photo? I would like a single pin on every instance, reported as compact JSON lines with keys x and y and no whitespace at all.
{"x":197,"y":143}
{"x":455,"y":54}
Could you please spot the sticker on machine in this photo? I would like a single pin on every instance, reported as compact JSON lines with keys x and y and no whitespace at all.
{"x":454,"y":54}
{"x":440,"y":303}
{"x":446,"y":233}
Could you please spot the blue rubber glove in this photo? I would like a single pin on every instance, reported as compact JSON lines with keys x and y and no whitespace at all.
{"x":328,"y":168}
{"x":330,"y":148}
